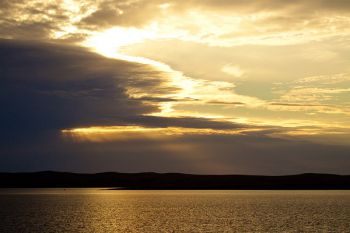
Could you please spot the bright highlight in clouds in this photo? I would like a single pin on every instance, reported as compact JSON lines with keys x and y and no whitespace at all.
{"x":233,"y":70}
{"x":110,"y":41}
{"x":113,"y":133}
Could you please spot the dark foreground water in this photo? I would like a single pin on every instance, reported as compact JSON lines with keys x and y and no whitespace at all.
{"x":96,"y":210}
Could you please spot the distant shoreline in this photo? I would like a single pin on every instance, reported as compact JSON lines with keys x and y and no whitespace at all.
{"x":174,"y":181}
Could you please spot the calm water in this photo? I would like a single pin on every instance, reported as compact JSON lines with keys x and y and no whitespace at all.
{"x":96,"y":210}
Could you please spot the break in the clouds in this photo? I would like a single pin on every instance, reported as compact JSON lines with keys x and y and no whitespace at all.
{"x":194,"y":86}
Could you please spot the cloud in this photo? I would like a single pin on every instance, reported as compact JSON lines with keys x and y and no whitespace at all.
{"x":46,"y":88}
{"x":225,"y":103}
{"x":317,"y":99}
{"x":30,"y":19}
{"x":139,"y":13}
{"x":233,"y":70}
{"x":54,"y":87}
{"x":218,"y":154}
{"x":324,"y":80}
{"x":123,"y":13}
{"x":227,"y":23}
{"x":50,"y":87}
{"x":311,"y":5}
{"x":312,"y":94}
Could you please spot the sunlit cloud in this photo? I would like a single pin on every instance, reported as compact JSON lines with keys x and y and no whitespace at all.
{"x":323,"y":80}
{"x":108,"y":42}
{"x":113,"y":133}
{"x":129,"y":71}
{"x":327,"y":135}
{"x":226,"y":23}
{"x":233,"y":70}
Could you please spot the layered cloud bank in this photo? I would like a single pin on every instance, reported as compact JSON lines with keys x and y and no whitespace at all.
{"x":214,"y":22}
{"x":192,"y":86}
{"x":48,"y":90}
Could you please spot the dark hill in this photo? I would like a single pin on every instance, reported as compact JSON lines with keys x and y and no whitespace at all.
{"x":150,"y":180}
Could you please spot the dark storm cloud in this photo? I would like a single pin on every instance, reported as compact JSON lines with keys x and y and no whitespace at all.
{"x":47,"y":87}
{"x":53,"y":87}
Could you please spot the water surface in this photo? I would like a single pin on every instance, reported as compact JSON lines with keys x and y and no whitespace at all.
{"x":100,"y":210}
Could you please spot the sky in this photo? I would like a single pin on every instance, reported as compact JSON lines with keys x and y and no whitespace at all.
{"x":207,"y":87}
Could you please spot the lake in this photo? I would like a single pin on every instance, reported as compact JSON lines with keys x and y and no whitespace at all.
{"x":101,"y":210}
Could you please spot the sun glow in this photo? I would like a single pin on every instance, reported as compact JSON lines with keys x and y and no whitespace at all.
{"x":112,"y":133}
{"x":110,"y":41}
